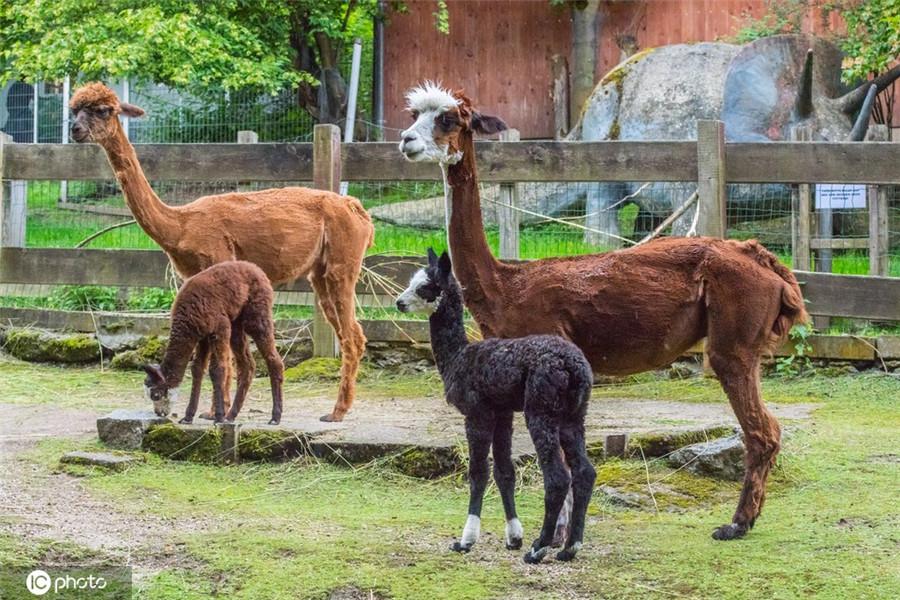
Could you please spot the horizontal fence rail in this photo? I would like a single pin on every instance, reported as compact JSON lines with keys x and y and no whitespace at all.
{"x":876,"y":298}
{"x":781,"y":162}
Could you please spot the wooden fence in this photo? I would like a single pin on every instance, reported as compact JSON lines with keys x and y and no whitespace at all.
{"x":710,"y":161}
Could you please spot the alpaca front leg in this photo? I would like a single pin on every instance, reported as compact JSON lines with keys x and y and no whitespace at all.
{"x":218,"y":372}
{"x":479,"y":435}
{"x":198,"y":368}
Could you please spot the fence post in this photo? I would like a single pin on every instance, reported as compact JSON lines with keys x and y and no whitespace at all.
{"x":13,"y":204}
{"x":245,"y":136}
{"x":711,"y":178}
{"x":326,"y":176}
{"x":800,"y":212}
{"x":508,"y":217}
{"x":877,"y":200}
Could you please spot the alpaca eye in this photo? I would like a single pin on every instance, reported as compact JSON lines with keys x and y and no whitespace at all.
{"x":415,"y":115}
{"x":447,"y":122}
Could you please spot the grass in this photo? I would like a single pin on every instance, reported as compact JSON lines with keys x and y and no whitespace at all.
{"x":304,"y":529}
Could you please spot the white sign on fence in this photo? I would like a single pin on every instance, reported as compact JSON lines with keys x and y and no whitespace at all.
{"x":838,"y":196}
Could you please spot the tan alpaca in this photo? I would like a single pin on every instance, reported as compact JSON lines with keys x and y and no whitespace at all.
{"x":289,"y":232}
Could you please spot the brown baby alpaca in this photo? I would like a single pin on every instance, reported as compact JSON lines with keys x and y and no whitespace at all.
{"x":289,"y":233}
{"x":216,"y":309}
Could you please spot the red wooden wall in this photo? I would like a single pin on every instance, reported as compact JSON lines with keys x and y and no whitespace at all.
{"x":500,"y":50}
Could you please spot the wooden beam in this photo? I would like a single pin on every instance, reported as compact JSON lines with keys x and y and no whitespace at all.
{"x":168,"y":162}
{"x":821,"y":162}
{"x":781,"y":162}
{"x":878,"y":231}
{"x":839,"y":243}
{"x":854,"y":296}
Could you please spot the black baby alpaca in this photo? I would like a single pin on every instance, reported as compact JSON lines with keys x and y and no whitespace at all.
{"x":545,"y":376}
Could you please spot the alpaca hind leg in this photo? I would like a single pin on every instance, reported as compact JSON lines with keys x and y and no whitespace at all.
{"x":561,"y":533}
{"x":218,"y":370}
{"x":505,"y":477}
{"x":263,"y":334}
{"x":762,"y":438}
{"x":571,"y":438}
{"x":342,"y":294}
{"x":544,"y":432}
{"x":198,"y":368}
{"x":246,"y":368}
{"x":479,"y":431}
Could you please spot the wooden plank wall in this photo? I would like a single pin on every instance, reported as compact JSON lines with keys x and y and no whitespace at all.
{"x":501,"y":51}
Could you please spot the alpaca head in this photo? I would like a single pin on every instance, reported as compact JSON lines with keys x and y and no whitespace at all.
{"x":96,"y":109}
{"x":426,"y":287}
{"x":439,"y":119}
{"x":157,"y":390}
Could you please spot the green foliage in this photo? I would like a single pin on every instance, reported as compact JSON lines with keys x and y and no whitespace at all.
{"x":442,"y":17}
{"x":797,"y":362}
{"x":781,"y":16}
{"x":217,"y":44}
{"x":83,"y":297}
{"x":873,"y":37}
{"x":152,"y":299}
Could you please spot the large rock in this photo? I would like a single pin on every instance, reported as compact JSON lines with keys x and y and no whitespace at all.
{"x":125,"y":428}
{"x":36,"y":345}
{"x":148,"y":349}
{"x":722,"y":458}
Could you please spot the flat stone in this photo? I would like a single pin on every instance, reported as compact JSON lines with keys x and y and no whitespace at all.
{"x":722,"y":458}
{"x":125,"y":428}
{"x":99,"y":459}
{"x":119,"y":341}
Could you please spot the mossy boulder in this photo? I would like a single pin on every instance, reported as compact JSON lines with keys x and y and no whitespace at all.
{"x":318,"y":370}
{"x":150,"y":350}
{"x":35,"y":345}
{"x":270,"y":444}
{"x":192,"y":443}
{"x":427,"y":463}
{"x":663,"y":443}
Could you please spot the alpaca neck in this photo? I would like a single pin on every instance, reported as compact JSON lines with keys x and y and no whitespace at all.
{"x":178,"y":353}
{"x":156,"y":218}
{"x":473,"y":264}
{"x":448,"y":334}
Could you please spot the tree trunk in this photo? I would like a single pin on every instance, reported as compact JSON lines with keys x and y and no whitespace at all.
{"x":586,"y":20}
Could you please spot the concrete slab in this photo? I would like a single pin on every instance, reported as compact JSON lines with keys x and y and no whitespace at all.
{"x":100,"y":459}
{"x":125,"y":428}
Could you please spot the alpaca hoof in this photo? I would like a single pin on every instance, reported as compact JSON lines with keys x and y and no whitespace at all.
{"x":206,"y":416}
{"x":274,"y":421}
{"x":514,"y":544}
{"x":186,"y":420}
{"x":732,"y":531}
{"x":461,"y":548}
{"x":567,"y":554}
{"x":534,"y":556}
{"x":331,"y":418}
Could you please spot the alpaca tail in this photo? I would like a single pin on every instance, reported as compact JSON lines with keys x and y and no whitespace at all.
{"x":581,"y":381}
{"x":793,"y":310}
{"x":362,"y":214}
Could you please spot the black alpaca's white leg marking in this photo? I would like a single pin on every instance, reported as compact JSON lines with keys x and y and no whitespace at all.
{"x":562,"y":522}
{"x":514,"y":534}
{"x":470,"y":534}
{"x":479,"y":432}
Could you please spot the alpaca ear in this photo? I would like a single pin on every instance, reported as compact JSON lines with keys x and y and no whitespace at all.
{"x":130,"y":110}
{"x":154,"y":372}
{"x":432,"y":257}
{"x":444,"y":266}
{"x":487,"y":124}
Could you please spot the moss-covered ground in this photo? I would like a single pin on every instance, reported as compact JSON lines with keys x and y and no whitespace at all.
{"x":305,"y":529}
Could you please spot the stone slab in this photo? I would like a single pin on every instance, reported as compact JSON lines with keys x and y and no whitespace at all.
{"x":124,"y":429}
{"x":889,"y":346}
{"x":100,"y":459}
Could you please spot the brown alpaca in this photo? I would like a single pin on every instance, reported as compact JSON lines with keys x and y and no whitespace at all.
{"x":214,"y":311}
{"x":289,"y":232}
{"x":630,"y":310}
